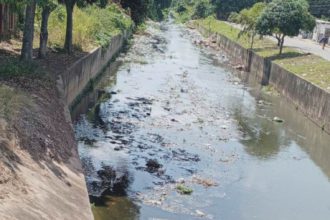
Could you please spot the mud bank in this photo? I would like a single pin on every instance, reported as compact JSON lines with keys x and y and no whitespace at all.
{"x":307,"y":97}
{"x":41,"y":176}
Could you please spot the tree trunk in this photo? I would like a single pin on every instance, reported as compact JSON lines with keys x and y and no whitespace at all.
{"x":252,"y":41}
{"x":69,"y":26}
{"x":44,"y":32}
{"x":282,"y":44}
{"x":27,"y":47}
{"x":278,"y":38}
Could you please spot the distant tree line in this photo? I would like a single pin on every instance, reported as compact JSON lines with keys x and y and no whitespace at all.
{"x":140,"y":9}
{"x":320,"y":8}
{"x":224,"y":8}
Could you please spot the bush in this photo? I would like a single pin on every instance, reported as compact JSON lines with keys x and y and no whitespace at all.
{"x":202,"y":9}
{"x":234,"y":17}
{"x":93,"y":26}
{"x":12,"y":67}
{"x":181,"y":8}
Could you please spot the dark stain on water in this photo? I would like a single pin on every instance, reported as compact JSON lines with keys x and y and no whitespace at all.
{"x":172,"y":115}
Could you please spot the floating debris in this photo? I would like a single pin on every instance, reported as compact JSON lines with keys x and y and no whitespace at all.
{"x":184,"y":190}
{"x":277,"y":119}
{"x":200,"y":213}
{"x":204,"y":182}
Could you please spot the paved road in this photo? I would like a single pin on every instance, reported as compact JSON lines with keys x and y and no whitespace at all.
{"x":306,"y":45}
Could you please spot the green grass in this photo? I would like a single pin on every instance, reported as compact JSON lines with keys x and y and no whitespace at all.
{"x":13,"y":67}
{"x":92,"y":26}
{"x":185,"y":16}
{"x":221,"y":27}
{"x":308,"y":66}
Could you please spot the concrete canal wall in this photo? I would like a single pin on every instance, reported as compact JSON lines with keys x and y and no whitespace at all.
{"x":310,"y":99}
{"x":76,"y":78}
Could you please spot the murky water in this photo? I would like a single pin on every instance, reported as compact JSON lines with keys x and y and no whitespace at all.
{"x":173,"y":115}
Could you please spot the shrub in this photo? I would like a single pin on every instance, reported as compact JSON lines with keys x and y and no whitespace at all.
{"x":181,"y":8}
{"x":234,"y":17}
{"x":202,"y":9}
{"x":93,"y":26}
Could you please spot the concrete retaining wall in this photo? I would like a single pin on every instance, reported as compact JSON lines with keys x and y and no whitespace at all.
{"x":310,"y":99}
{"x":75,"y":79}
{"x":313,"y":101}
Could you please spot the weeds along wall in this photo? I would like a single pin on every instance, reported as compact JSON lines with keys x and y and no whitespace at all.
{"x":92,"y":26}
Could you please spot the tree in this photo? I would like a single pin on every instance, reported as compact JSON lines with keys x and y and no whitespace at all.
{"x":248,"y":19}
{"x":69,"y":6}
{"x":28,"y":34}
{"x":202,"y":9}
{"x":181,"y":8}
{"x":225,"y":7}
{"x":139,"y":9}
{"x":47,"y":7}
{"x":320,"y":8}
{"x":285,"y":18}
{"x":28,"y":29}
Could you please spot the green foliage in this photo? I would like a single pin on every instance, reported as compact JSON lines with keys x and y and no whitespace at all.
{"x":225,"y":29}
{"x":225,"y":7}
{"x":192,"y":9}
{"x":310,"y":67}
{"x":202,"y":9}
{"x":248,"y":19}
{"x":138,"y":9}
{"x":12,"y":67}
{"x":141,"y":9}
{"x":285,"y":18}
{"x":93,"y":26}
{"x":234,"y":17}
{"x":320,"y":8}
{"x":181,"y":8}
{"x":141,"y":28}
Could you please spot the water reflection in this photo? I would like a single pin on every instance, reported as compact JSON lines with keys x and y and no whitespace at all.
{"x":113,"y":203}
{"x":97,"y":93}
{"x":265,"y":138}
{"x":305,"y":134}
{"x":114,"y":208}
{"x":262,"y":138}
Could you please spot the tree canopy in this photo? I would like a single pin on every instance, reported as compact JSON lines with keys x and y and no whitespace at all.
{"x":285,"y":18}
{"x":225,"y":7}
{"x":248,"y":18}
{"x":320,"y":8}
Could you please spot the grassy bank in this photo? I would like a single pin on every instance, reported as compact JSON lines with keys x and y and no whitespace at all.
{"x":308,"y":66}
{"x":93,"y":26}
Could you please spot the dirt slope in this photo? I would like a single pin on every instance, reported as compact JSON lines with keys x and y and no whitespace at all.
{"x":40,"y":171}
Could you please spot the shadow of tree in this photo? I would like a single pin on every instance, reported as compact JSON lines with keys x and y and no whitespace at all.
{"x":284,"y":55}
